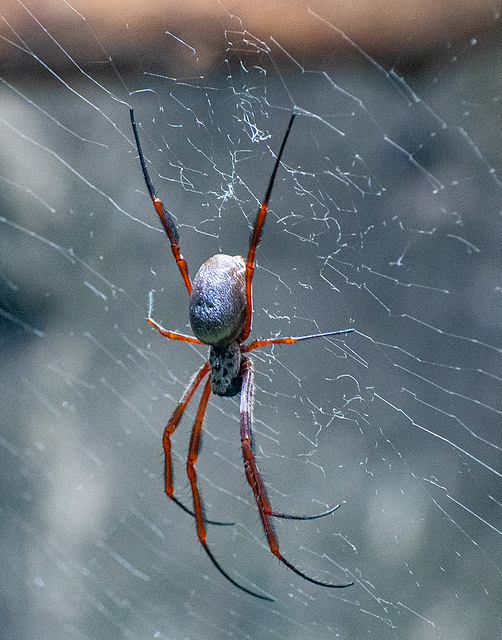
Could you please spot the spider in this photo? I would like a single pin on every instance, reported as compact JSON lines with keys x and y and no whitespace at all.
{"x":220,"y":313}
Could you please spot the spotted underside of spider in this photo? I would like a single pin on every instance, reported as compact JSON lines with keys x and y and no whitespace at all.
{"x":220,"y":312}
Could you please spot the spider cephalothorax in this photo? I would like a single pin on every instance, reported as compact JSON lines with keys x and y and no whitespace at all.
{"x":220,"y":316}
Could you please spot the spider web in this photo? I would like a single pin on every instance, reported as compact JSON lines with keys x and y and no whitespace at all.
{"x":385,"y":217}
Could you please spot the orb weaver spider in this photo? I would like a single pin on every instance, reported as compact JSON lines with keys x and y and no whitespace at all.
{"x":220,"y":313}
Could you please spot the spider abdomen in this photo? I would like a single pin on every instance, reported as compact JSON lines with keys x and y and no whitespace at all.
{"x":218,"y":300}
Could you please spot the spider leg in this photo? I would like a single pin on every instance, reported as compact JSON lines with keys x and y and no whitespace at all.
{"x":166,"y":441}
{"x":164,"y":215}
{"x":255,"y":237}
{"x":254,"y":478}
{"x":290,"y":339}
{"x":315,"y":517}
{"x":193,"y":452}
{"x":173,"y":335}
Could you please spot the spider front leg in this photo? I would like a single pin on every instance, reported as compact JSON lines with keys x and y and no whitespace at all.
{"x":254,"y":478}
{"x":166,"y":442}
{"x":171,"y":426}
{"x":193,"y":453}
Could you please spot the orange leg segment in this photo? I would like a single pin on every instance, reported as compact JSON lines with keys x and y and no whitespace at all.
{"x":255,"y":238}
{"x":166,"y":442}
{"x":173,"y":335}
{"x":254,"y":478}
{"x":171,"y":428}
{"x":165,"y":217}
{"x":172,"y":233}
{"x":193,"y":453}
{"x":290,"y":339}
